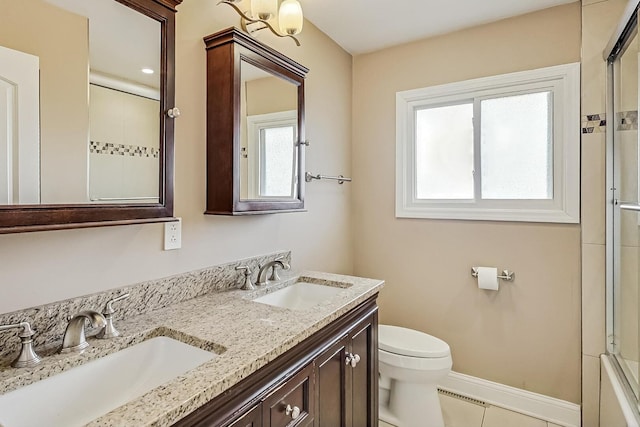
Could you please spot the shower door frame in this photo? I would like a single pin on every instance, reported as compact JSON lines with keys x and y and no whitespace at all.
{"x":627,"y":25}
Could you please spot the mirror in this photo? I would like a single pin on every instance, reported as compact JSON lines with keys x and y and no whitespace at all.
{"x":83,"y":90}
{"x":268,"y":135}
{"x":254,"y":155}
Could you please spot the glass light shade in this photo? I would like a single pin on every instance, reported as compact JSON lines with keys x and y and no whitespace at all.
{"x":264,"y":9}
{"x":290,"y":17}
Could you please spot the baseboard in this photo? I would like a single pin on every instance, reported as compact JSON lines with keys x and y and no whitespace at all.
{"x":536,"y":405}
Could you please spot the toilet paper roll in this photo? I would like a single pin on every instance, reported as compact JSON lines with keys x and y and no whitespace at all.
{"x":488,"y":278}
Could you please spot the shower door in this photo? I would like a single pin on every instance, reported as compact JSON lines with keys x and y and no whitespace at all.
{"x":624,"y":216}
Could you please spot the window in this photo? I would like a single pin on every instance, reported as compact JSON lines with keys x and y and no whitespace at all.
{"x":271,"y":141}
{"x":498,"y":148}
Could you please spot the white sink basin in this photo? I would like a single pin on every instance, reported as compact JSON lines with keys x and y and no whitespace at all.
{"x":84,"y":393}
{"x":300,"y":296}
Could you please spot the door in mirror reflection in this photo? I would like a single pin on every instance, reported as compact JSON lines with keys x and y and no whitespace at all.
{"x":268,"y":135}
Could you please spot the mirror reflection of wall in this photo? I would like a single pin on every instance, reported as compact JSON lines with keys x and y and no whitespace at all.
{"x":269,"y":115}
{"x":124,"y":147}
{"x":55,"y":32}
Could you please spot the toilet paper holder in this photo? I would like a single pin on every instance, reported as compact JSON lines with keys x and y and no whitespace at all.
{"x":506,"y":274}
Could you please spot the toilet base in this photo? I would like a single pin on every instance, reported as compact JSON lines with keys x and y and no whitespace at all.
{"x":404,"y":398}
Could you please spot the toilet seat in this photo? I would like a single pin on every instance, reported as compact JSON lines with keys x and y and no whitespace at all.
{"x":414,"y":363}
{"x":408,"y":342}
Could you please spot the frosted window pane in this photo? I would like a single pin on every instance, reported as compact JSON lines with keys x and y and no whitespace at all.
{"x":444,"y":152}
{"x":276,"y":148}
{"x":517,"y":147}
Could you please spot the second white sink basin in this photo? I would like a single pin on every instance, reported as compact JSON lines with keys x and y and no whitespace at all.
{"x":84,"y":393}
{"x":300,"y":296}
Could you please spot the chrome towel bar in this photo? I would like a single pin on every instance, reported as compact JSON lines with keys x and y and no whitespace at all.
{"x":341,"y":179}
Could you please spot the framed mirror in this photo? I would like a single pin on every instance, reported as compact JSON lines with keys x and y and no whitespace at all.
{"x":254,"y":156}
{"x":85,"y":87}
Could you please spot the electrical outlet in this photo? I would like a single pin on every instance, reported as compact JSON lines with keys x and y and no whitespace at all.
{"x":173,"y":235}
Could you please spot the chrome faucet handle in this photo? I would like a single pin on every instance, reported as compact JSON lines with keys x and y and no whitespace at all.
{"x":274,"y":272}
{"x":27,"y":357}
{"x":110,"y":331}
{"x":247,"y":285}
{"x":262,"y":273}
{"x":74,"y":339}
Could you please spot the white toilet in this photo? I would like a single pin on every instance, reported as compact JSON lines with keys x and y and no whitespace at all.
{"x":411,"y":365}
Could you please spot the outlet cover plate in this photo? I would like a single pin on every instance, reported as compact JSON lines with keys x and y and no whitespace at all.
{"x":173,"y":235}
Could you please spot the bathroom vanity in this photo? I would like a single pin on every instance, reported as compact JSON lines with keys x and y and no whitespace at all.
{"x":270,"y":365}
{"x":330,"y":379}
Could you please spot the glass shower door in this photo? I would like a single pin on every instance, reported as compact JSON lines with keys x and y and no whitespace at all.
{"x":623,"y":123}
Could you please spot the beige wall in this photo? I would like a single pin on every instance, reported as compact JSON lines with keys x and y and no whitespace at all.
{"x":60,"y":40}
{"x":527,"y":335}
{"x":48,"y":266}
{"x":270,"y":95}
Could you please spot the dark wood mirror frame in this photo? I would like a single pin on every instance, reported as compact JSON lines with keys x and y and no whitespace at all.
{"x":226,"y":50}
{"x":16,"y":219}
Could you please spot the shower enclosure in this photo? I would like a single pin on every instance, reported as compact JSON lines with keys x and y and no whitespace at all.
{"x":623,"y":203}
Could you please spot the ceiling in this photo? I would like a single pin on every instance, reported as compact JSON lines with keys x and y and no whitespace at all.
{"x":111,"y":50}
{"x":361,"y":26}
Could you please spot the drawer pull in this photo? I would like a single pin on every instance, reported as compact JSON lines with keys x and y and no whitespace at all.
{"x":292,"y":412}
{"x":352,"y":359}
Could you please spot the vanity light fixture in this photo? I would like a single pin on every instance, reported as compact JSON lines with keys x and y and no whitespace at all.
{"x":263,"y":13}
{"x":147,"y":71}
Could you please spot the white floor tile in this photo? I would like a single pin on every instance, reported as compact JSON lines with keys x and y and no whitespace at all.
{"x":458,"y":413}
{"x":498,"y":417}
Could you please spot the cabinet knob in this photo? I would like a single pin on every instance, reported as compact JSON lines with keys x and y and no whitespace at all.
{"x":173,"y":113}
{"x":352,"y":359}
{"x":292,"y":412}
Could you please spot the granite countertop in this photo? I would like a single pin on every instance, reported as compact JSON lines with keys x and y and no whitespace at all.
{"x":245,"y":335}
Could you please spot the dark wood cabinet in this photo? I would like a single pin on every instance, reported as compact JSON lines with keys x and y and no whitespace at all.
{"x":253,"y":418}
{"x":347,"y":376}
{"x":328,"y":380}
{"x":252,"y":88}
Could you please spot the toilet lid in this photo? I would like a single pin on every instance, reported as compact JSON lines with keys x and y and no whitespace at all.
{"x":408,"y":342}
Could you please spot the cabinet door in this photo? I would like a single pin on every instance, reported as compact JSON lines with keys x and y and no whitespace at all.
{"x":333,"y":396}
{"x":293,"y":403}
{"x":364,"y":375}
{"x":253,"y":418}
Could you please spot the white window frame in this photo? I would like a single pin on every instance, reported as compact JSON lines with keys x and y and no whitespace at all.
{"x":564,"y":83}
{"x":255,"y":124}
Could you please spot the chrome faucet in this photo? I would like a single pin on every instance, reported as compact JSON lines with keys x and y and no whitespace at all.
{"x":262,"y":274}
{"x":110,"y":331}
{"x":74,"y":338}
{"x":247,"y":285}
{"x":27,"y":357}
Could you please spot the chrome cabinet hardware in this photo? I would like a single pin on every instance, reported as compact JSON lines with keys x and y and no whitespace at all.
{"x":293,"y":412}
{"x":262,"y":274}
{"x":247,"y":285}
{"x":173,"y":113}
{"x":74,"y":340}
{"x":27,"y":357}
{"x":352,"y":359}
{"x":110,"y":331}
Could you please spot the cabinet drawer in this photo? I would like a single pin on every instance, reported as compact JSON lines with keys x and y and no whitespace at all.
{"x":250,"y":419}
{"x":292,"y":404}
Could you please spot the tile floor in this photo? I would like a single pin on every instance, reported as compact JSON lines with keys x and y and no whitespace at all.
{"x":458,"y":413}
